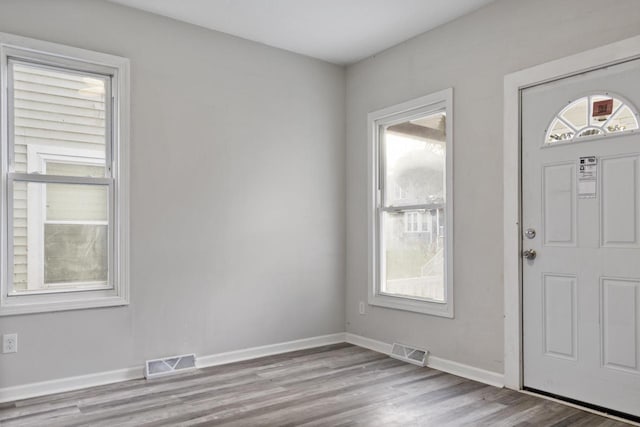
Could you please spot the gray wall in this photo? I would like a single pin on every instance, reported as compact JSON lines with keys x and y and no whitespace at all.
{"x":237,"y":196}
{"x":238,"y":182}
{"x":472,"y":55}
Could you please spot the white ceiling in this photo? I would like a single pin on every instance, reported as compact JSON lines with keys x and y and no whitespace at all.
{"x":338,"y":31}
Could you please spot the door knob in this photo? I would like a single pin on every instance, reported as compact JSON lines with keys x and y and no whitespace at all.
{"x":529,"y":254}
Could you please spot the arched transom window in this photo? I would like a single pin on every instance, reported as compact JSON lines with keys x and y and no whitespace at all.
{"x":592,"y":115}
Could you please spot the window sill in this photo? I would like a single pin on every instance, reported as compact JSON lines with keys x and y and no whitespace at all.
{"x":444,"y":309}
{"x":43,"y":303}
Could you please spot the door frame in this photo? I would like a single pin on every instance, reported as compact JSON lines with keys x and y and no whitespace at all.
{"x":514,"y":83}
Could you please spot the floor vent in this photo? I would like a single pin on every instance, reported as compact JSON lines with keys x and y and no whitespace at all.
{"x":409,"y":354}
{"x":169,"y":365}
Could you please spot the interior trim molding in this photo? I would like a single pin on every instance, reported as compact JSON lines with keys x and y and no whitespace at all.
{"x":476,"y":374}
{"x":467,"y":371}
{"x":371,"y":344}
{"x":61,"y":385}
{"x":268,"y":350}
{"x":599,"y":57}
{"x":26,"y":391}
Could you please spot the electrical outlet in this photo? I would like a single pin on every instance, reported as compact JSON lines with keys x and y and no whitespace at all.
{"x":10,"y":343}
{"x":361,"y":307}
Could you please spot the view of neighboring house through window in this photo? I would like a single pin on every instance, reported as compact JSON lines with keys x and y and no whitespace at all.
{"x":411,"y":213}
{"x":413,"y":251}
{"x":63,"y":148}
{"x":412,"y":222}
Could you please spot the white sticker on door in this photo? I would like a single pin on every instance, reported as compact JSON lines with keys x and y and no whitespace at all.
{"x":587,"y":177}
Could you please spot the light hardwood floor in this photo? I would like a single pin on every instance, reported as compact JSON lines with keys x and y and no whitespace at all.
{"x":338,"y":385}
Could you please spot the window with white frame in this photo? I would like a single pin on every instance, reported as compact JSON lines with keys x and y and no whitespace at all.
{"x":592,"y":116}
{"x":410,"y":236}
{"x":412,"y":222}
{"x":401,"y":193}
{"x":64,"y":161}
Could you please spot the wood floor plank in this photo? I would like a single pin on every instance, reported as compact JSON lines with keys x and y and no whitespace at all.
{"x":337,"y":385}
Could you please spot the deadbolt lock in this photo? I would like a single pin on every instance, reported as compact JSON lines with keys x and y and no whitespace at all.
{"x":530,"y":233}
{"x":529,"y":254}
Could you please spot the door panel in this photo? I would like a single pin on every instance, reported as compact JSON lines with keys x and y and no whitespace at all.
{"x":560,"y":322}
{"x":620,"y":213}
{"x":581,"y":293}
{"x":559,"y":195}
{"x":620,"y":337}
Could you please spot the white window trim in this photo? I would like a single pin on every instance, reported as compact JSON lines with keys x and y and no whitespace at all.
{"x":434,"y":102}
{"x":81,"y":60}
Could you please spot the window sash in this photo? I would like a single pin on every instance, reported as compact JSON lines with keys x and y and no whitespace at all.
{"x":400,"y":209}
{"x":383,"y":207}
{"x":52,"y":64}
{"x":47,"y":62}
{"x":408,"y":228}
{"x":45,"y":179}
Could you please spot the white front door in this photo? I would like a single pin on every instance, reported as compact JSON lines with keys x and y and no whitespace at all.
{"x":581,"y":216}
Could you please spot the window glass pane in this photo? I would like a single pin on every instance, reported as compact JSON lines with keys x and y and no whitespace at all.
{"x":590,"y":132}
{"x":73,"y":169}
{"x":413,"y":257}
{"x":414,"y":158}
{"x":597,"y":120}
{"x":623,"y":120}
{"x":559,"y":132}
{"x":577,"y":113}
{"x":75,"y":202}
{"x":60,"y":235}
{"x":75,"y":253}
{"x":56,"y":110}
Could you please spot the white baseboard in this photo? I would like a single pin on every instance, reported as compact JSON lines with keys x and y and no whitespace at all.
{"x":9,"y":394}
{"x":471,"y":372}
{"x":268,"y":350}
{"x":26,"y":391}
{"x":481,"y":375}
{"x":371,"y":344}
